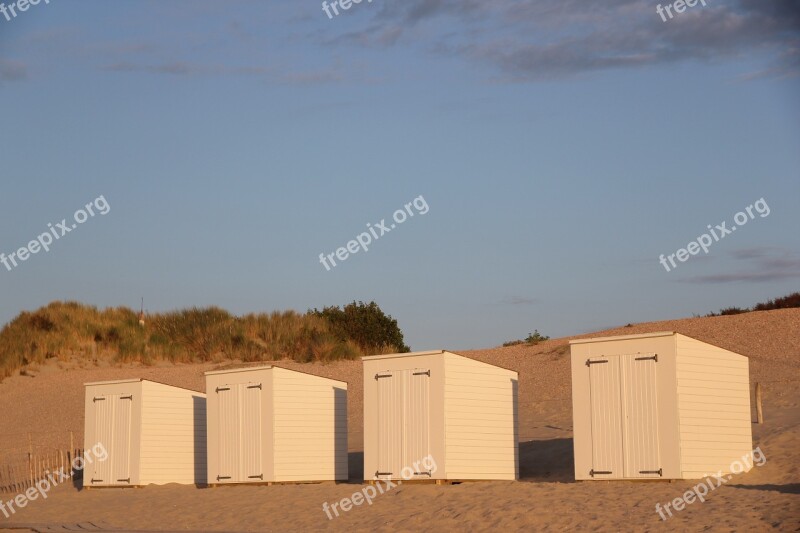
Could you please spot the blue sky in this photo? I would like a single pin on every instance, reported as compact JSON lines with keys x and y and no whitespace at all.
{"x":561,"y":148}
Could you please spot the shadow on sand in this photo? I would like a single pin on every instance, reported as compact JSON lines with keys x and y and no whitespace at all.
{"x":546,"y":460}
{"x":540,"y":460}
{"x":790,"y":488}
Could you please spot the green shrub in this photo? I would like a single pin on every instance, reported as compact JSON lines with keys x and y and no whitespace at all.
{"x":785,"y":302}
{"x":366,"y":325}
{"x":532,"y":339}
{"x":513,"y":343}
{"x":536,"y":337}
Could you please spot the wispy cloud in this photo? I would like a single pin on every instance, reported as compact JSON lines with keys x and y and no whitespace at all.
{"x":762,"y":264}
{"x":540,"y":39}
{"x":190,"y":69}
{"x":185,"y":69}
{"x":519,"y":300}
{"x":12,"y":71}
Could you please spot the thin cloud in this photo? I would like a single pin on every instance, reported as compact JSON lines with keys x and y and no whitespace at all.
{"x":12,"y":71}
{"x":311,"y":77}
{"x":746,"y":277}
{"x":184,"y":69}
{"x":756,"y":252}
{"x":188,"y":69}
{"x":533,"y":40}
{"x":765,"y":264}
{"x":519,"y":300}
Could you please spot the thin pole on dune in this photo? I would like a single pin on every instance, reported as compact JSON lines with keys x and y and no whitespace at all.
{"x":759,"y":412}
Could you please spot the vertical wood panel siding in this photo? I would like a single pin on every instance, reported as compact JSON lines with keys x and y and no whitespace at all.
{"x":251,"y":425}
{"x":100,"y":471}
{"x":606,"y":421}
{"x":121,"y":459}
{"x":403,"y":422}
{"x":112,"y":418}
{"x":640,"y":416}
{"x":228,"y":437}
{"x":390,"y":424}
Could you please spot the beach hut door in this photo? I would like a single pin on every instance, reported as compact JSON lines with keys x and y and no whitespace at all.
{"x":228,"y":434}
{"x":251,"y":432}
{"x":624,"y":416}
{"x":112,"y":414}
{"x":403,"y":423}
{"x":604,"y":384}
{"x":640,"y":416}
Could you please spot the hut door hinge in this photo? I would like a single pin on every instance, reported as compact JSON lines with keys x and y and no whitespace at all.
{"x":223,"y":477}
{"x":589,"y":362}
{"x":378,"y":376}
{"x":221,"y":388}
{"x":423,"y":373}
{"x":254,"y":386}
{"x":126,"y":397}
{"x":128,"y":480}
{"x":96,"y":399}
{"x":260,"y":476}
{"x":378,"y":473}
{"x":653,"y":357}
{"x":593,"y":472}
{"x":660,"y":472}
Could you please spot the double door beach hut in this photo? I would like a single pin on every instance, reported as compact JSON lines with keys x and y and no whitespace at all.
{"x":152,"y":433}
{"x":658,"y":406}
{"x":439,"y":415}
{"x":271,"y":424}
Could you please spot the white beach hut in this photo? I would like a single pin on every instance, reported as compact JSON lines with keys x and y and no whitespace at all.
{"x":153,"y":433}
{"x":658,"y":406}
{"x":270,"y":424}
{"x":457,"y":411}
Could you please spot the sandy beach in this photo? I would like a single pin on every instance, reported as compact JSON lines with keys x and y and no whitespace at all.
{"x":48,"y":405}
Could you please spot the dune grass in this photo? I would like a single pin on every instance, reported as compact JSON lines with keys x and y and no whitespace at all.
{"x":68,"y":330}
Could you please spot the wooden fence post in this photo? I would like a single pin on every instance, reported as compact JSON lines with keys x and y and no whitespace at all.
{"x":30,"y":458}
{"x":759,"y":412}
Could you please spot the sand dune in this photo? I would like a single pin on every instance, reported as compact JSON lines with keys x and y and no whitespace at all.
{"x":50,"y":405}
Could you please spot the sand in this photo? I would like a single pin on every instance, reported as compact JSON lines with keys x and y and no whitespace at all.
{"x":50,"y":405}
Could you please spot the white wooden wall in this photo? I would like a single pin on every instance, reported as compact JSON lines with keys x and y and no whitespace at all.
{"x":310,"y":427}
{"x":173,"y":435}
{"x":714,"y":407}
{"x":481,"y":420}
